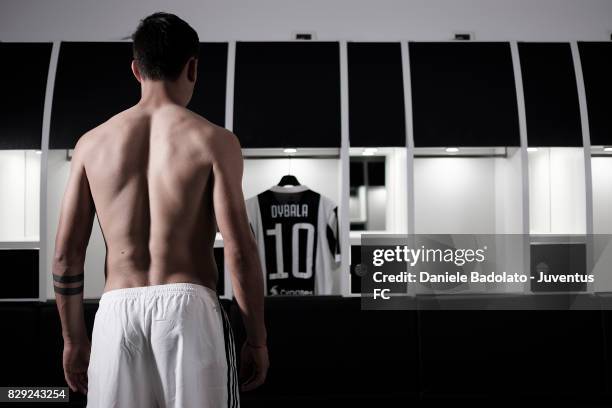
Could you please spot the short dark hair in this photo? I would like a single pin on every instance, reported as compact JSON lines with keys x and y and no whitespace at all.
{"x":162,"y":45}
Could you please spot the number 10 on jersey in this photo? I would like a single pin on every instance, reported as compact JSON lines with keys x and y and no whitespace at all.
{"x":277,"y":233}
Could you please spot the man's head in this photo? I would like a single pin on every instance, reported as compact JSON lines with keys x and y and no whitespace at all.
{"x":166,"y":49}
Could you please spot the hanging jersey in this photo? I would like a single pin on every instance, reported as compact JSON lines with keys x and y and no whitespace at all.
{"x":296,"y":230}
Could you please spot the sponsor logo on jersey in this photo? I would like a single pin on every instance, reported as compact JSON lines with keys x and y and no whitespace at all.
{"x":288,"y":210}
{"x":275,"y":291}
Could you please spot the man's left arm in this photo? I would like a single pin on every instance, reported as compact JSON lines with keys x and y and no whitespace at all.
{"x":73,"y":232}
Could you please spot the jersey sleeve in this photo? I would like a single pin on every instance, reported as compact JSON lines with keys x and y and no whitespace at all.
{"x":333,"y":234}
{"x":254,"y":216}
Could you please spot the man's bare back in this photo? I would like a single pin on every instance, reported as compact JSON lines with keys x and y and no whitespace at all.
{"x":160,"y":178}
{"x":149,"y":172}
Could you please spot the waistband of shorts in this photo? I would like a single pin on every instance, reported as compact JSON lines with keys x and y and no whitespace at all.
{"x":157,"y":290}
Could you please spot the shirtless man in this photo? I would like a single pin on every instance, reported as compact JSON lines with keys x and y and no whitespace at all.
{"x":157,"y":175}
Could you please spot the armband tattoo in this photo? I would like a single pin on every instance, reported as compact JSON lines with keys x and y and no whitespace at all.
{"x":61,"y":290}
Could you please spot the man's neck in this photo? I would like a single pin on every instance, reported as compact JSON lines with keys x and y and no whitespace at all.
{"x":155,"y":94}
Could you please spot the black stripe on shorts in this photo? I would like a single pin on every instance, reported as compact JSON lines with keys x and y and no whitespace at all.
{"x":233,"y":397}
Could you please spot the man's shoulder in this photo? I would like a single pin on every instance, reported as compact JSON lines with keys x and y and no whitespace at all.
{"x":96,"y":137}
{"x":223,"y":138}
{"x":95,"y":134}
{"x":216,"y":138}
{"x":208,"y":128}
{"x":88,"y":140}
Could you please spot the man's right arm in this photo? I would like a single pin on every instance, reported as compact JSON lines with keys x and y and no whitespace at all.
{"x":241,"y":253}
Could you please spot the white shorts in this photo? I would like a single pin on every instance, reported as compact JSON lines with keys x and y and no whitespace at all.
{"x":162,"y":346}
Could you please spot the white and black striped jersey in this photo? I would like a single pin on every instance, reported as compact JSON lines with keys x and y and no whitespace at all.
{"x":297,"y":233}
